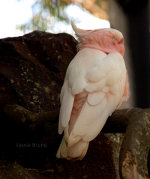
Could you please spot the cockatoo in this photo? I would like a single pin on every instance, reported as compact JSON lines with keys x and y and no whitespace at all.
{"x":95,"y":85}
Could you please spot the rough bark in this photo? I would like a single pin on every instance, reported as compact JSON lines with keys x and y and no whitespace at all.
{"x":136,"y":145}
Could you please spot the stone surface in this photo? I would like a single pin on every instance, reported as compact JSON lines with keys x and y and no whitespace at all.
{"x":32,"y":69}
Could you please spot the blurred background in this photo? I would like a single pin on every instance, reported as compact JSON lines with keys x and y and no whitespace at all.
{"x":22,"y":16}
{"x":131,"y":17}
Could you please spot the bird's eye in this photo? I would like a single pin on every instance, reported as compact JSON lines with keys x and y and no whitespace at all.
{"x":114,"y":39}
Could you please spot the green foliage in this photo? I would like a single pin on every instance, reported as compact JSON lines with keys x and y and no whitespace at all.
{"x":45,"y":13}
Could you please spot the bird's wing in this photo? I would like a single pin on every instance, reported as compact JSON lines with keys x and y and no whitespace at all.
{"x":88,"y":92}
{"x":105,"y":84}
{"x":72,"y":86}
{"x":104,"y":88}
{"x":67,"y":100}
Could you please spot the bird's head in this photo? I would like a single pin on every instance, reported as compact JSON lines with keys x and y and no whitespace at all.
{"x":107,"y":40}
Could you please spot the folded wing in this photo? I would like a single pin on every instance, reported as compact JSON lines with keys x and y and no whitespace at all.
{"x":84,"y":110}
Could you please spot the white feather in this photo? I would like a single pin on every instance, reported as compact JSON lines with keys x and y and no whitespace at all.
{"x":103,"y":78}
{"x":95,"y":98}
{"x":67,"y":100}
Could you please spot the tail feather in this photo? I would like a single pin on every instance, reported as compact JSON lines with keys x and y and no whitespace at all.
{"x":77,"y":151}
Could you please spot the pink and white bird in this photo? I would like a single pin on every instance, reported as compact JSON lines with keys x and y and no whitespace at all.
{"x":95,"y":85}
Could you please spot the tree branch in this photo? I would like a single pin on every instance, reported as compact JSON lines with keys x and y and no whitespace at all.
{"x":135,"y":146}
{"x":134,"y":122}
